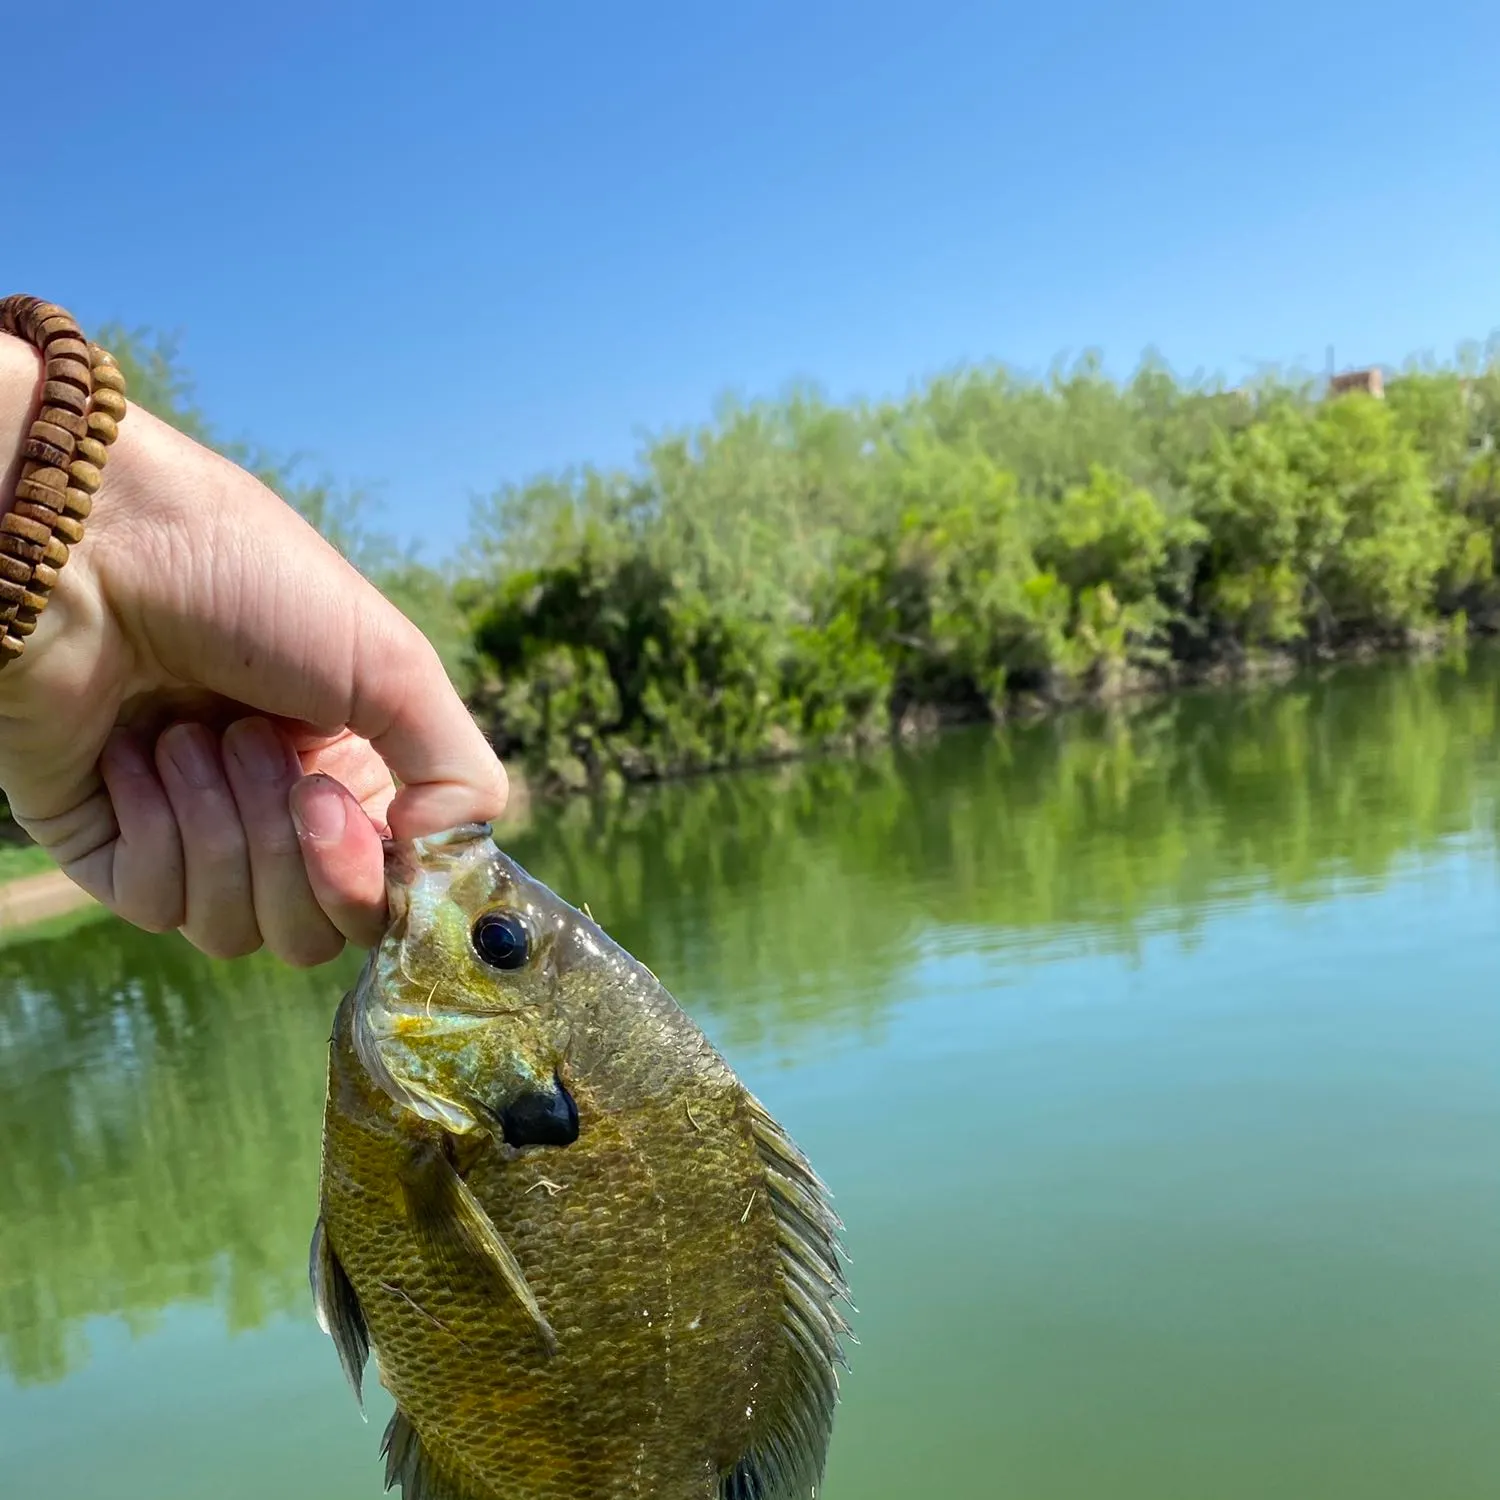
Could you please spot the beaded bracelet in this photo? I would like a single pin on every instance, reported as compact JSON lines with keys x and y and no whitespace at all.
{"x":83,"y":403}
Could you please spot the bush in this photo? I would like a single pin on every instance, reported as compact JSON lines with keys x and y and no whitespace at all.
{"x":1319,"y":523}
{"x":800,"y":576}
{"x":607,"y":666}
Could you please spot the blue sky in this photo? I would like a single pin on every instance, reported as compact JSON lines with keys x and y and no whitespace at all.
{"x":438,"y":247}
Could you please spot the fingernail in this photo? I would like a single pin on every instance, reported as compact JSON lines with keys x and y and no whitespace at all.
{"x":191,"y":755}
{"x":258,"y":748}
{"x":318,"y":809}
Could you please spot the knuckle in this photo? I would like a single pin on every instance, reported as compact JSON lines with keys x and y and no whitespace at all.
{"x":312,"y":953}
{"x":220,"y":846}
{"x":156,"y":911}
{"x":275,"y":840}
{"x":226,"y":946}
{"x":158,"y":922}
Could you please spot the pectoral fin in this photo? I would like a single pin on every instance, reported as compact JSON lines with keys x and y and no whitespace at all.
{"x":452,"y":1225}
{"x":339,"y":1313}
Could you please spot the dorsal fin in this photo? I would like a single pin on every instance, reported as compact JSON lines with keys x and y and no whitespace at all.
{"x":339,"y":1314}
{"x":793,"y":1423}
{"x":408,"y":1464}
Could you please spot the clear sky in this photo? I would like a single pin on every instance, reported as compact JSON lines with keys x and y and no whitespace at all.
{"x":435,"y":247}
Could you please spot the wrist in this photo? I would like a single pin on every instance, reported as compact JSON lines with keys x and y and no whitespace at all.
{"x":21,"y":370}
{"x":71,"y":590}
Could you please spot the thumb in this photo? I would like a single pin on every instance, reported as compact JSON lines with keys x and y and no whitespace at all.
{"x":405,"y":706}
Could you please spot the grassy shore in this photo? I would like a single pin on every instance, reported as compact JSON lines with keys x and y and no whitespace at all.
{"x":20,"y":860}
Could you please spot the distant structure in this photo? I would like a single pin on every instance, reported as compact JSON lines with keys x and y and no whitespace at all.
{"x":1369,"y":381}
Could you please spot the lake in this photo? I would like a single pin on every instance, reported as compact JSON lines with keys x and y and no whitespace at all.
{"x":1154,"y":1061}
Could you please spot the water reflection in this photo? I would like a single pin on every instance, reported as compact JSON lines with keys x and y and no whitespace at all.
{"x":161,"y":1118}
{"x":770,"y":896}
{"x":160,"y":1112}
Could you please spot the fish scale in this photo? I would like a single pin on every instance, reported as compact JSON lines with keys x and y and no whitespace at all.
{"x":641,"y":1308}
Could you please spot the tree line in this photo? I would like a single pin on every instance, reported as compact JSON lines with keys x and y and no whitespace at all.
{"x":798,"y":574}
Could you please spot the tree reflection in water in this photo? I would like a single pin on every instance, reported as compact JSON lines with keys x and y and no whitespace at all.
{"x":160,"y":1111}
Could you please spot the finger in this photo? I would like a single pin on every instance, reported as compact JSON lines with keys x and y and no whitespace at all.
{"x":147,"y":874}
{"x":353,"y":763}
{"x":448,"y":773}
{"x":262,"y":771}
{"x":403,"y":704}
{"x":346,"y":658}
{"x":301,"y":636}
{"x":344,"y":858}
{"x":219,"y":917}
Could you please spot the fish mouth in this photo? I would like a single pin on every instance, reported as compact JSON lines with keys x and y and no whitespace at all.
{"x":406,"y":859}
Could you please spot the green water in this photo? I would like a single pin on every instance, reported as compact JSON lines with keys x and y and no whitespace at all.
{"x":1153,"y":1062}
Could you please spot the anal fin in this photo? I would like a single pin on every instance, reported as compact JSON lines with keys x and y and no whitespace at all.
{"x":339,"y":1314}
{"x":453,"y":1226}
{"x":408,"y":1464}
{"x":745,"y":1483}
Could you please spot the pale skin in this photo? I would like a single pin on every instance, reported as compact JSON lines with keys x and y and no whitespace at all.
{"x":208,"y":727}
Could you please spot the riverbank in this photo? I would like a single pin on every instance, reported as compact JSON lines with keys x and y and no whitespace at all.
{"x":29,"y":899}
{"x":33,"y":892}
{"x":1128,"y":688}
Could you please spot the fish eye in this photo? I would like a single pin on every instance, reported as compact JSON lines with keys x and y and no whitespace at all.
{"x":501,"y":940}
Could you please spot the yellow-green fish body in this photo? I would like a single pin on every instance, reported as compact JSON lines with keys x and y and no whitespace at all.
{"x":591,"y":1265}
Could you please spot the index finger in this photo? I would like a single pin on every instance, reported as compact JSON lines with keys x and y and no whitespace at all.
{"x":252,"y":603}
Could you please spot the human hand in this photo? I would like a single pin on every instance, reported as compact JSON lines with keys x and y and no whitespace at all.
{"x":207,"y":727}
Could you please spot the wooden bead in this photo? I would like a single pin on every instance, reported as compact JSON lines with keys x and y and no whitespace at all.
{"x":67,"y":346}
{"x":69,"y":420}
{"x":111,"y":403}
{"x":18,"y":548}
{"x":39,"y":312}
{"x":50,"y":432}
{"x":41,"y":494}
{"x":62,"y":458}
{"x":74,"y":371}
{"x":44,"y":514}
{"x":39,"y":450}
{"x":10,"y":313}
{"x":26,"y":530}
{"x":29,"y":314}
{"x":85,"y":476}
{"x":49,"y":476}
{"x":63,"y":393}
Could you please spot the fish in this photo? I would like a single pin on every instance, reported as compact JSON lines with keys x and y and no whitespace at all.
{"x":588,"y":1261}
